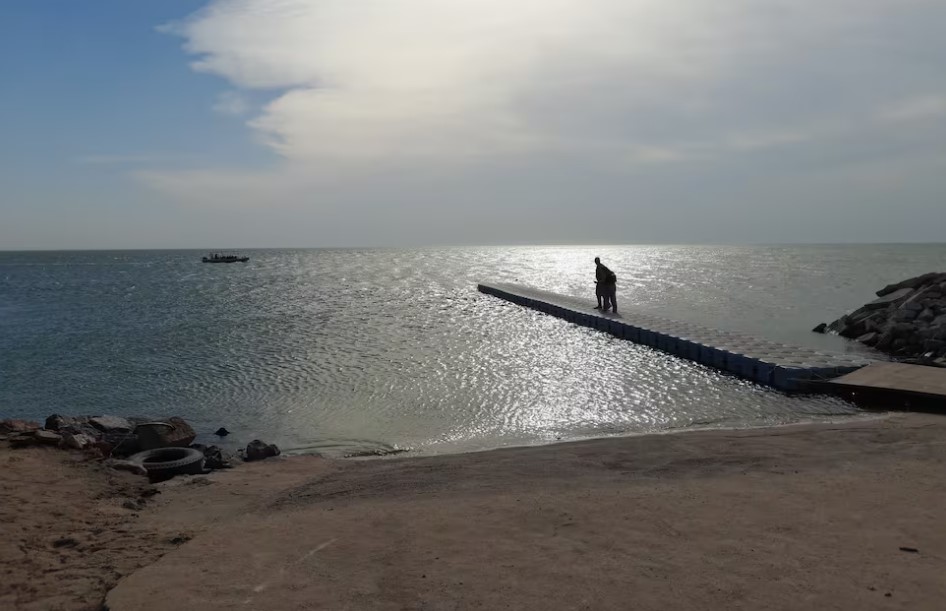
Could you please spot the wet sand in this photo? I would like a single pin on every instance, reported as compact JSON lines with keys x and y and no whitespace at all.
{"x":799,"y":517}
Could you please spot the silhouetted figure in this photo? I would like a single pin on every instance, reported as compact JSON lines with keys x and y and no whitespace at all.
{"x":605,"y":287}
{"x":600,"y":274}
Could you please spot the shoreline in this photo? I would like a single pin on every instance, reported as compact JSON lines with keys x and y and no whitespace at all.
{"x":791,"y":516}
{"x":864,"y":414}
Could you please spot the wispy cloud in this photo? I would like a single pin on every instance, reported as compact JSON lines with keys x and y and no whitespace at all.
{"x":916,"y":108}
{"x":439,"y":95}
{"x":232,"y":103}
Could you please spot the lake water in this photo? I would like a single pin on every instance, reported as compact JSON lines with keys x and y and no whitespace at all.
{"x":347,"y":350}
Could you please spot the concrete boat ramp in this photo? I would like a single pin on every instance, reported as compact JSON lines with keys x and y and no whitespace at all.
{"x":786,"y":368}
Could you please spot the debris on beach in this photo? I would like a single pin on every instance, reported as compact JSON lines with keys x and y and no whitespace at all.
{"x":118,"y":440}
{"x":214,"y":457}
{"x":173,"y":432}
{"x":258,"y":450}
{"x":907,"y":320}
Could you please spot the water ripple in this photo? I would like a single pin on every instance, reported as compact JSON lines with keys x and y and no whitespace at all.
{"x":370,"y":350}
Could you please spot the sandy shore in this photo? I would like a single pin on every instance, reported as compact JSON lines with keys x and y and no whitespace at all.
{"x":801,"y":517}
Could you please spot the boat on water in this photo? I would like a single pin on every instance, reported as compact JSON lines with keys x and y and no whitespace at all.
{"x":216,"y":257}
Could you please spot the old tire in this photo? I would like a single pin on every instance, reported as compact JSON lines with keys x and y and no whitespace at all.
{"x":163,"y":463}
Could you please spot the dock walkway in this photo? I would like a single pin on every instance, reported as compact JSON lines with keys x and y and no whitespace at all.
{"x":902,"y":384}
{"x":781,"y":366}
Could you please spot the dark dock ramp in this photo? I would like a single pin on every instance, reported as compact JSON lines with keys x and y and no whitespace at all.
{"x":899,"y":384}
{"x":781,"y":366}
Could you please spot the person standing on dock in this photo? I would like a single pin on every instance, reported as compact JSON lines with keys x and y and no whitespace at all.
{"x":605,"y":287}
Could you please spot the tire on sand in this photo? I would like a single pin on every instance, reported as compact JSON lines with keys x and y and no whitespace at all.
{"x":165,"y":463}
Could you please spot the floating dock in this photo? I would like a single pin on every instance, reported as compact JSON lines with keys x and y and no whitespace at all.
{"x":912,"y":386}
{"x":787,"y":368}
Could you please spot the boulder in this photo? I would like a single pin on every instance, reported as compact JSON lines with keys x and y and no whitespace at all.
{"x":214,"y":457}
{"x":889,"y":299}
{"x":821,"y":328}
{"x":108,"y":424}
{"x":173,"y":432}
{"x":901,"y":329}
{"x":876,"y":323}
{"x":910,"y":283}
{"x":17,"y":426}
{"x":77,"y":441}
{"x":863,"y":323}
{"x":258,"y":450}
{"x":50,"y":438}
{"x":905,"y":315}
{"x":32,"y":438}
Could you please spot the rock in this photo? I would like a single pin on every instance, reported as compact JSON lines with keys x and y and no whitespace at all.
{"x":926,"y":315}
{"x":126,"y":465}
{"x":214,"y":457}
{"x":258,"y":450}
{"x":174,"y":432}
{"x":910,"y":283}
{"x":17,"y":426}
{"x":108,"y":424}
{"x":912,"y":306}
{"x":862,"y":323}
{"x":77,"y":441}
{"x":54,"y":421}
{"x":889,"y":299}
{"x":74,"y":425}
{"x":901,"y":329}
{"x":876,"y":323}
{"x":32,"y":438}
{"x":47,"y":437}
{"x":222,"y":432}
{"x":905,"y":315}
{"x":869,"y":338}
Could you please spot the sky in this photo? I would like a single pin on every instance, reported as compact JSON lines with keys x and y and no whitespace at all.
{"x":316,"y":123}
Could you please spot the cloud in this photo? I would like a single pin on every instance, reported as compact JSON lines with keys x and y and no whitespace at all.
{"x":916,"y":108}
{"x":455,"y":77}
{"x":231,"y":103}
{"x":420,"y":99}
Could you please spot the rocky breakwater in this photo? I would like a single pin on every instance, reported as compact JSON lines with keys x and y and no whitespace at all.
{"x":158,"y":448}
{"x":907,"y":320}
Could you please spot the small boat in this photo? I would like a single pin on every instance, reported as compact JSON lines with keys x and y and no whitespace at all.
{"x":216,"y":257}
